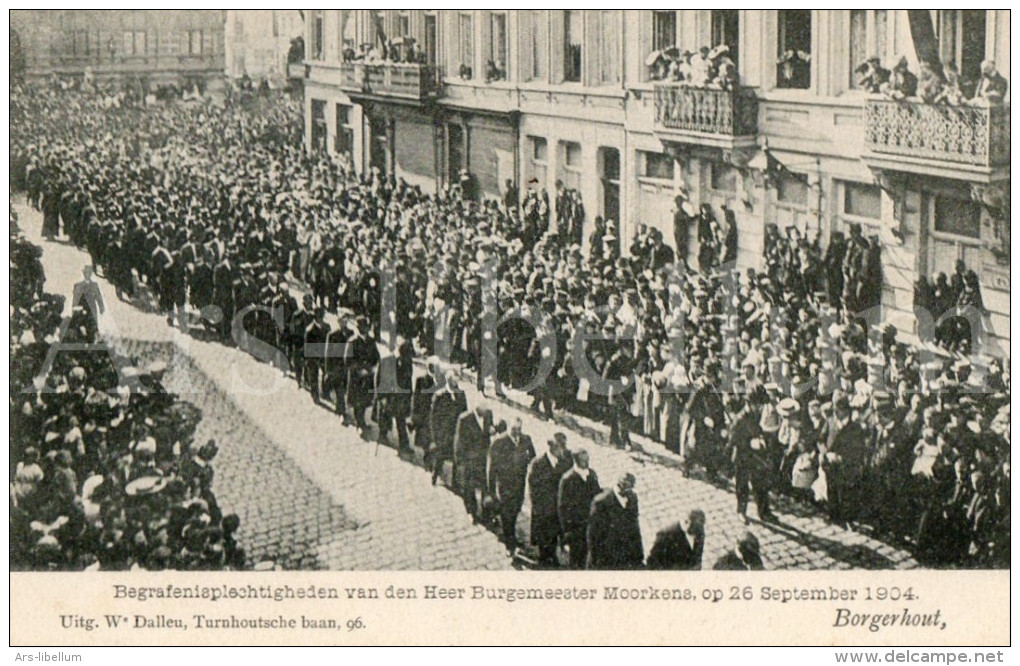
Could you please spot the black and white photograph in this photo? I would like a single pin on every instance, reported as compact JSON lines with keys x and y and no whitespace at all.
{"x":532,"y":290}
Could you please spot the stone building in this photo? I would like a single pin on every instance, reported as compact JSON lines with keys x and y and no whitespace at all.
{"x":547,"y":95}
{"x":258,"y":41}
{"x":160,"y":45}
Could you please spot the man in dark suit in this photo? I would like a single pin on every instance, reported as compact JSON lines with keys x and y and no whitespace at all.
{"x":745,"y":557}
{"x":361,"y":364}
{"x":470,"y":448}
{"x":614,"y":534}
{"x":421,"y":403}
{"x":544,"y":476}
{"x":680,"y":545}
{"x":750,"y":460}
{"x":846,"y":452}
{"x":578,"y":488}
{"x":335,"y":379}
{"x":447,"y":406}
{"x":315,"y":336}
{"x":660,"y":255}
{"x":509,"y":458}
{"x":395,"y":401}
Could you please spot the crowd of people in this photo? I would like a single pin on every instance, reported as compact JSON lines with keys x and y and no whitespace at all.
{"x":935,"y":83}
{"x":767,"y":376}
{"x":706,"y":68}
{"x":105,"y":473}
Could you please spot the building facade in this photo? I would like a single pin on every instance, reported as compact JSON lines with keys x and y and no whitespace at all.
{"x":258,"y":41}
{"x":544,"y":96}
{"x":163,"y":46}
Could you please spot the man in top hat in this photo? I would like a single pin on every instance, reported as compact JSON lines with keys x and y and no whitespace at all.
{"x":683,"y":216}
{"x":844,"y":460}
{"x":361,"y":363}
{"x":315,"y":335}
{"x":751,"y":459}
{"x":509,"y":458}
{"x":544,"y":474}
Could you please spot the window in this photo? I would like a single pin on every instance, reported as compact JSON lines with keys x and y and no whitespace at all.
{"x":497,"y":46}
{"x":431,"y":38}
{"x":467,"y":45}
{"x":792,"y":189}
{"x":724,"y":178}
{"x":347,"y":41}
{"x":571,"y":164}
{"x":318,"y":124}
{"x":861,"y":200}
{"x":83,"y":44}
{"x":195,"y":42}
{"x":958,"y":216}
{"x":344,"y":131}
{"x":609,"y":47}
{"x":869,"y":34}
{"x":134,"y":42}
{"x":961,"y":38}
{"x":317,"y":34}
{"x":656,"y":165}
{"x":572,"y":154}
{"x":794,"y":54}
{"x":725,"y":30}
{"x":610,"y":163}
{"x":538,"y":45}
{"x":539,"y":149}
{"x":403,"y":23}
{"x":663,"y":30}
{"x":573,"y":32}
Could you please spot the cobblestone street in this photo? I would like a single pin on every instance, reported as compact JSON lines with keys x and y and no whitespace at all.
{"x":312,"y":494}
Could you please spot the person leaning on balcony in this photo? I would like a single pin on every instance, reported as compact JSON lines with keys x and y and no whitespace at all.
{"x":871,"y":76}
{"x":902,"y":82}
{"x":951,"y":92}
{"x":929,"y":84}
{"x":992,"y":88}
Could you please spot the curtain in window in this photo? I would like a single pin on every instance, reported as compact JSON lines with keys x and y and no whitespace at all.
{"x":858,"y":42}
{"x":609,"y":57}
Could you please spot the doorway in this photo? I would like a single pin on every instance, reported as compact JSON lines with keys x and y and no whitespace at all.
{"x":609,"y":167}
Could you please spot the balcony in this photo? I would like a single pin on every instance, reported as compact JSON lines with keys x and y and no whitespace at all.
{"x":391,"y":81}
{"x":962,"y":142}
{"x":726,"y":119}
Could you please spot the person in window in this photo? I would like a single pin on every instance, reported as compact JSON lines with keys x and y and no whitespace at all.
{"x":902,"y":82}
{"x":795,"y":69}
{"x":871,"y":76}
{"x":992,"y":88}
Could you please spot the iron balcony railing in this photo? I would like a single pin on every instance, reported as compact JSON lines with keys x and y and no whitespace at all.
{"x":387,"y":79}
{"x":971,"y":135}
{"x":706,"y":110}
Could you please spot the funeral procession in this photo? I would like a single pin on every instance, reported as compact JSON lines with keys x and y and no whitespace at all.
{"x":509,"y":290}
